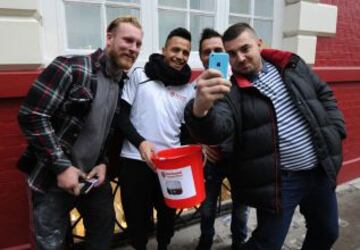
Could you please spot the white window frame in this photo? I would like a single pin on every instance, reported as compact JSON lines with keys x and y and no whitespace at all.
{"x":102,"y":4}
{"x":194,"y":60}
{"x":278,"y":10}
{"x":54,"y":26}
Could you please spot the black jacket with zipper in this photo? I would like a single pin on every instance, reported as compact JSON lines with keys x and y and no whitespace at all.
{"x":249,"y":118}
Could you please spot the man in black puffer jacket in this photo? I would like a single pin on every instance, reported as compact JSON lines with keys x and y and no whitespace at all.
{"x":287,"y":133}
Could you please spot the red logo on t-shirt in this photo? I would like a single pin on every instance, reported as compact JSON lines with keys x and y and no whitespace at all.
{"x":177,"y":96}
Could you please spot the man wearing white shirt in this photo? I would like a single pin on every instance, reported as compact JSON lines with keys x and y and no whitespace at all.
{"x":151,"y":118}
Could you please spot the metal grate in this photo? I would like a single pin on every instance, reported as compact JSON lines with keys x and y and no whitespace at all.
{"x":184,"y":218}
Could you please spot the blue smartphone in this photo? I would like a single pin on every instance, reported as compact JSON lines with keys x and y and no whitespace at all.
{"x":219,"y":61}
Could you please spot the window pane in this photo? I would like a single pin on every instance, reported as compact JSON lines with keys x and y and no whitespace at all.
{"x":264,"y":30}
{"x":208,"y":5}
{"x":173,"y":3}
{"x":264,"y":8}
{"x":169,"y":20}
{"x":236,"y":19}
{"x":240,"y":6}
{"x":83,"y":26}
{"x":198,"y":23}
{"x":125,"y":1}
{"x":114,"y":12}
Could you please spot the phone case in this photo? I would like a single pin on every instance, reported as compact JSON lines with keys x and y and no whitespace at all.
{"x":219,"y":61}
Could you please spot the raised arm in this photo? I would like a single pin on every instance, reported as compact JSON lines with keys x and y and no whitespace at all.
{"x":208,"y":117}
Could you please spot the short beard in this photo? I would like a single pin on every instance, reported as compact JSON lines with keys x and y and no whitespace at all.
{"x":114,"y":61}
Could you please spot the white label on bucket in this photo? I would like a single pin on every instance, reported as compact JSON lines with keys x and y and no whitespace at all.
{"x":177,"y":184}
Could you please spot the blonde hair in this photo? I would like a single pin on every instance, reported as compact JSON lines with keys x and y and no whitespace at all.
{"x":123,"y":19}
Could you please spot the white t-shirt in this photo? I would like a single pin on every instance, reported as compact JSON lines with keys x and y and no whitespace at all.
{"x":157,"y":111}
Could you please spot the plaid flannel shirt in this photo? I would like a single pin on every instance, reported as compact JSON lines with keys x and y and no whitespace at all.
{"x":53,"y":113}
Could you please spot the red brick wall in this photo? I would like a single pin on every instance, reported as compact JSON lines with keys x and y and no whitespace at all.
{"x":338,"y":62}
{"x":14,"y":206}
{"x":348,"y":96}
{"x":14,"y":215}
{"x":344,"y":48}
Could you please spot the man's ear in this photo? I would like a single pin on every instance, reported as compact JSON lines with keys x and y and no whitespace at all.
{"x":109,"y":38}
{"x":163,"y":50}
{"x":260,"y":43}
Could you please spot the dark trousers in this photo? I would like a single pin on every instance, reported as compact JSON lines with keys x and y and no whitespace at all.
{"x":140,"y":192}
{"x":51,"y":217}
{"x":214,"y":176}
{"x":314,"y":193}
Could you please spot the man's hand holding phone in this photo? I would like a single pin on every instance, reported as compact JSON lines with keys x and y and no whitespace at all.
{"x":95,"y":178}
{"x":87,"y":184}
{"x":76,"y":182}
{"x":69,"y":180}
{"x":99,"y":173}
{"x":220,"y":62}
{"x":211,"y":85}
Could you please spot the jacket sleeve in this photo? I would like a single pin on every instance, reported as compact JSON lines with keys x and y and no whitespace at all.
{"x":217,"y":126}
{"x":43,"y":99}
{"x":327,"y":99}
{"x":185,"y":137}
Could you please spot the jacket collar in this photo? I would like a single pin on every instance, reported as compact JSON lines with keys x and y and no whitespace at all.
{"x":96,"y":60}
{"x":277,"y":57}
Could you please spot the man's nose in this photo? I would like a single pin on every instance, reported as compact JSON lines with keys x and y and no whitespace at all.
{"x":179,"y":55}
{"x":241,"y":57}
{"x":134,"y":47}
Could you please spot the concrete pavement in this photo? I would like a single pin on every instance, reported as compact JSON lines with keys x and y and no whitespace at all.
{"x":349,"y":209}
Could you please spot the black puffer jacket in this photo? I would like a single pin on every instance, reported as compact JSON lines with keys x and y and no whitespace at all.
{"x":249,"y":117}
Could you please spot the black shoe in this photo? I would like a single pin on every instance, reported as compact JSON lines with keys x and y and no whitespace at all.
{"x":237,"y":245}
{"x":140,"y":248}
{"x":162,"y":246}
{"x":204,"y":244}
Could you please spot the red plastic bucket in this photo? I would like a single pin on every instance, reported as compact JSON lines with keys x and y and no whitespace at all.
{"x":180,"y":172}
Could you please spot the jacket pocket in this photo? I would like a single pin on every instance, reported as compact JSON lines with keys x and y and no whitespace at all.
{"x":333,"y":139}
{"x":78,"y":101}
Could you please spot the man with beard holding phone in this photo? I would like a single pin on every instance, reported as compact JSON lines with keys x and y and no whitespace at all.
{"x":66,"y":118}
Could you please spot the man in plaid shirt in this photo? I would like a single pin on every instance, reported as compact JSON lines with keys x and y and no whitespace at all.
{"x":66,"y":118}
